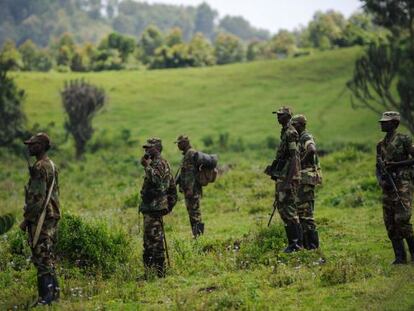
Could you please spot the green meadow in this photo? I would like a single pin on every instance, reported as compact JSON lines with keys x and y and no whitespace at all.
{"x":238,"y":264}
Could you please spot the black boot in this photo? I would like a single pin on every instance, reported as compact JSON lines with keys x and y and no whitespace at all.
{"x":399,"y":251}
{"x":160,"y":267}
{"x":410,"y":243}
{"x":56,"y":288}
{"x":306,"y":241}
{"x":313,"y":238}
{"x":198,"y":229}
{"x":46,"y":289}
{"x":293,"y":236}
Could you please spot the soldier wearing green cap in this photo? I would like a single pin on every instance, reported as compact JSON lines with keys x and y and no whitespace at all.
{"x":287,"y":176}
{"x":41,"y":216}
{"x":156,"y":203}
{"x":395,"y":153}
{"x":310,"y":177}
{"x":189,"y":185}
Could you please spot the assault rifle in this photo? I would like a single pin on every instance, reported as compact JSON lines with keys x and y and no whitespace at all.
{"x":273,"y":169}
{"x":389,"y":179}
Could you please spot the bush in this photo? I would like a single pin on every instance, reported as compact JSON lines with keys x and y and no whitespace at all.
{"x":261,"y":247}
{"x":91,"y":246}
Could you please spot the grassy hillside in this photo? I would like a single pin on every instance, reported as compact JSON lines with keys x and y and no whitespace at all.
{"x":238,"y":264}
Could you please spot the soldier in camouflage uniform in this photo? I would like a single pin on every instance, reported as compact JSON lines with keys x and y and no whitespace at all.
{"x":155,"y":204}
{"x":286,"y":175}
{"x":41,"y":216}
{"x":189,"y":185}
{"x":392,"y":152}
{"x":310,"y":177}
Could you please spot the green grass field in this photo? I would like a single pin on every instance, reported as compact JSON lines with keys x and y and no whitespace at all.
{"x":238,"y":264}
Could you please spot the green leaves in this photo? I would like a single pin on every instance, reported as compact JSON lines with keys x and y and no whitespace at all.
{"x":6,"y":223}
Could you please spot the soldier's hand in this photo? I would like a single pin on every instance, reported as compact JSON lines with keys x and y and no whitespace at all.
{"x":145,"y":161}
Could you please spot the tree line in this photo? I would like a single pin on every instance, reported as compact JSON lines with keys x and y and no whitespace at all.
{"x":155,"y":49}
{"x":90,"y":20}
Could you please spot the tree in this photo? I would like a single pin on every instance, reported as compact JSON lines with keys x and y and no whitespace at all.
{"x":283,"y":43}
{"x":125,"y":45}
{"x":174,"y":37}
{"x":12,"y":118}
{"x":176,"y":56}
{"x":240,"y":27}
{"x":326,"y":29}
{"x":387,"y":66}
{"x":81,"y":101}
{"x":151,"y":39}
{"x":28,"y":51}
{"x":204,"y":20}
{"x":202,"y":51}
{"x":11,"y":56}
{"x":228,"y":49}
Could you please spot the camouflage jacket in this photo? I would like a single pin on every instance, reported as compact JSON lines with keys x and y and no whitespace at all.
{"x":188,"y":172}
{"x":158,"y":179}
{"x":396,"y":149}
{"x":289,"y":140}
{"x":36,"y":190}
{"x":310,"y":168}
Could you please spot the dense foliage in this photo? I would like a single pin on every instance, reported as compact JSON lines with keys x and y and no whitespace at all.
{"x":12,"y":117}
{"x":389,"y":63}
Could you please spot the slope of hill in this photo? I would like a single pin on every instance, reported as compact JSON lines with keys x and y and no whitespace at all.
{"x":238,"y":264}
{"x":237,"y":99}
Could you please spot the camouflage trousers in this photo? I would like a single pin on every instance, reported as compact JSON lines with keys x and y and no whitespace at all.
{"x":306,"y":205}
{"x":43,"y":256}
{"x":285,"y":202}
{"x":397,"y":216}
{"x":193,"y":208}
{"x":153,"y":241}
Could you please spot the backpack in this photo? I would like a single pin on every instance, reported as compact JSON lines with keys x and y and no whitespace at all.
{"x":207,"y":168}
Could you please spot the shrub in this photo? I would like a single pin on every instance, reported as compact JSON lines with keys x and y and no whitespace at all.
{"x":261,"y":247}
{"x":81,"y":101}
{"x":91,"y":246}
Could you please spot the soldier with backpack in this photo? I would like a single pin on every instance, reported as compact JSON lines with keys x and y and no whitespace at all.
{"x":197,"y":170}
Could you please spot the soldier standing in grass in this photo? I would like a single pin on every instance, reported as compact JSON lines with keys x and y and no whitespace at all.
{"x":189,"y":185}
{"x":310,"y":177}
{"x":41,"y":216}
{"x":158,"y":198}
{"x":395,"y":175}
{"x":285,"y":170}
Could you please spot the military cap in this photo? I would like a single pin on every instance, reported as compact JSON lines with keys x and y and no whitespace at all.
{"x":41,"y":138}
{"x":390,"y":116}
{"x":153,"y":142}
{"x":182,"y":138}
{"x":283,"y":110}
{"x":299,"y":118}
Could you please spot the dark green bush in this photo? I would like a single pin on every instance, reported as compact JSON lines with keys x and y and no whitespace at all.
{"x":261,"y":247}
{"x":91,"y":246}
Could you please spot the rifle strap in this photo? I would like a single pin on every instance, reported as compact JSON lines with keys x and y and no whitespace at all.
{"x":43,"y":214}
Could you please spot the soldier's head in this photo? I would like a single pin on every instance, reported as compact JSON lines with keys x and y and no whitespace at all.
{"x":299,"y":122}
{"x":38,"y":144}
{"x":183,"y":142}
{"x":284,"y":114}
{"x":390,"y":121}
{"x":153,"y":147}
